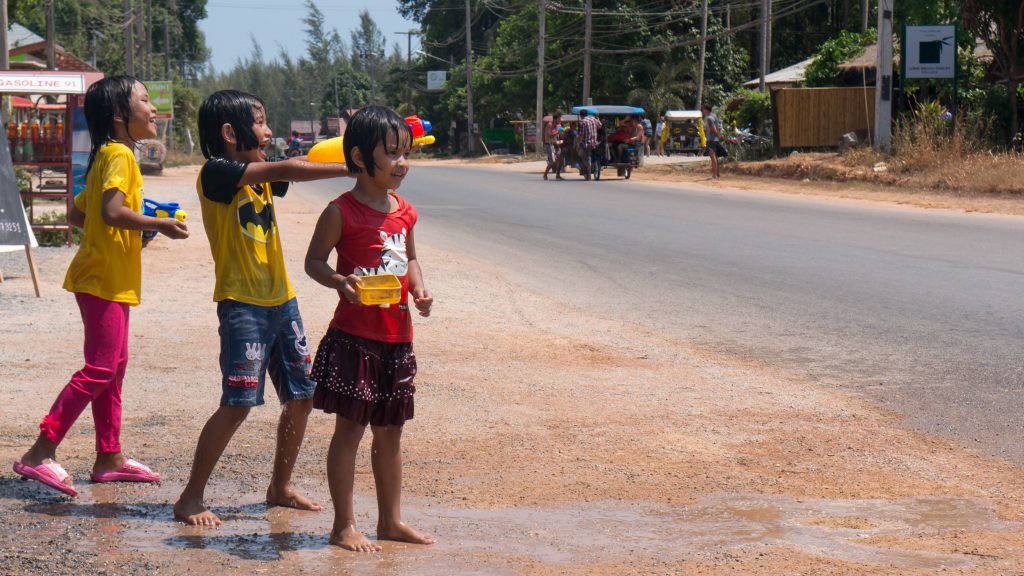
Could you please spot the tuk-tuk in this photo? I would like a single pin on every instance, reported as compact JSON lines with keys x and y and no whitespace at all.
{"x":611,"y":116}
{"x":684,"y":132}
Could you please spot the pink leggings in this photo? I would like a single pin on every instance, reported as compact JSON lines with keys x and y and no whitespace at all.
{"x":99,"y":382}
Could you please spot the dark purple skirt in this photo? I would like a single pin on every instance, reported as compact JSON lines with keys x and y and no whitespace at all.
{"x":365,"y":381}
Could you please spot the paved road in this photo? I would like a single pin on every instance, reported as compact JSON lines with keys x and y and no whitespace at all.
{"x":920,"y":310}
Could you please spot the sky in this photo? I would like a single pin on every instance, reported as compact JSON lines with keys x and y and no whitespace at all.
{"x":230,"y":24}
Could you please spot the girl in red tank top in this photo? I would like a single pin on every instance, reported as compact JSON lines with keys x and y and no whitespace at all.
{"x":365,"y":365}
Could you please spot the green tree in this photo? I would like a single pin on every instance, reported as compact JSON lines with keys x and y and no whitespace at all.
{"x":823,"y":70}
{"x":93,"y":31}
{"x":368,"y":55}
{"x":1000,"y":24}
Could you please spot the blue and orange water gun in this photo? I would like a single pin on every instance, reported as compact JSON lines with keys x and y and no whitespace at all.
{"x":160,"y":210}
{"x":331,"y":150}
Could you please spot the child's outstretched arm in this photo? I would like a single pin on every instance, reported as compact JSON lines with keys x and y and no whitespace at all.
{"x":325,"y":237}
{"x":421,"y":297}
{"x":296,"y":169}
{"x":116,"y":214}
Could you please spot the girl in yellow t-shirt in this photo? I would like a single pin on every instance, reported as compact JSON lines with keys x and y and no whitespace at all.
{"x":105,"y":276}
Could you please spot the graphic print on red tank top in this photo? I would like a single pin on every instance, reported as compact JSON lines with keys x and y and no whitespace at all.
{"x":373,"y":242}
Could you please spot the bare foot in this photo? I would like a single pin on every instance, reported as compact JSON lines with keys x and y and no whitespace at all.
{"x":402,"y":532}
{"x":289,"y":498}
{"x":351,"y":539}
{"x":194,"y":513}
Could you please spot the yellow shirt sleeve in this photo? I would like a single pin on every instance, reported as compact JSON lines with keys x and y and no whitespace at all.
{"x":116,"y":172}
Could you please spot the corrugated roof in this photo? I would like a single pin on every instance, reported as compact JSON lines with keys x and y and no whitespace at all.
{"x":20,"y":36}
{"x":789,"y":75}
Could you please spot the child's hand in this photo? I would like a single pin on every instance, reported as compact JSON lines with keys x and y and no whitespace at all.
{"x":347,"y":290}
{"x":423,"y":301}
{"x":172,"y":228}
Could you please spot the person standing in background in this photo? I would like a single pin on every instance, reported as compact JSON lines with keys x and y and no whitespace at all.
{"x":713,"y":135}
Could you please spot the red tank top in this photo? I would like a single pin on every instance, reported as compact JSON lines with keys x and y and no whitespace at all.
{"x":373,"y":242}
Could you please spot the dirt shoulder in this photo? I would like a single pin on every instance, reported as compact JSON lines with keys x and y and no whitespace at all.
{"x":547,"y":440}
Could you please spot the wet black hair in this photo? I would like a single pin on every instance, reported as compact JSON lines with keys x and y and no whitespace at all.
{"x":367,"y":128}
{"x":228,"y":107}
{"x":106,"y":100}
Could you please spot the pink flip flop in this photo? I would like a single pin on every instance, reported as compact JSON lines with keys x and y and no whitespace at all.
{"x":48,"y":473}
{"x":131,"y":471}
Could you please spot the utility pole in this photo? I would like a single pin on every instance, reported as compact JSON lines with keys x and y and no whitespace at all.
{"x":864,"y":9}
{"x":764,"y":43}
{"x":4,"y":63}
{"x":541,"y":17}
{"x":703,"y":49}
{"x":129,"y":39}
{"x":408,"y":65}
{"x":51,"y":61}
{"x":469,"y":78}
{"x":883,"y":78}
{"x":588,"y":40}
{"x":768,"y":45}
{"x":149,"y":40}
{"x":140,"y":35}
{"x":337,"y":104}
{"x":167,"y":47}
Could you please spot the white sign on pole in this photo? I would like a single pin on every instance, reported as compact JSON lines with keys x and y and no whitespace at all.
{"x":930,"y":51}
{"x":436,"y":80}
{"x":30,"y":83}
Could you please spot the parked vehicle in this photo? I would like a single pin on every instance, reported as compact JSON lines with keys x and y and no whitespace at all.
{"x":151,"y":155}
{"x":684,"y":132}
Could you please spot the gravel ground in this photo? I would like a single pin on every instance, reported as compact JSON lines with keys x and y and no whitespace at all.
{"x":547,"y":441}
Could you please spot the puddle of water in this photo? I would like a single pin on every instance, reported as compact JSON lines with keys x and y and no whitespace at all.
{"x":471,"y":540}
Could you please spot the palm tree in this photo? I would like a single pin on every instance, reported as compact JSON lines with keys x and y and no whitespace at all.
{"x":671,"y":85}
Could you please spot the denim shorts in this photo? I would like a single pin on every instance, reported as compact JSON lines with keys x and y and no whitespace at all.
{"x":257,"y":339}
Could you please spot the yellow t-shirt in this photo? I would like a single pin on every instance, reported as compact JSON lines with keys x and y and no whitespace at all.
{"x":244,"y":238}
{"x":108,"y":263}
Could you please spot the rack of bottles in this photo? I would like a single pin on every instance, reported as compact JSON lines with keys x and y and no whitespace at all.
{"x":39,"y":139}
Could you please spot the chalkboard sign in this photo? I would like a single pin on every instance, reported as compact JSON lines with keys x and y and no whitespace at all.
{"x":14,"y":228}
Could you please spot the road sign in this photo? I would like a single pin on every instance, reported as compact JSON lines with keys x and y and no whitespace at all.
{"x":930,"y":51}
{"x":161,"y":95}
{"x":436,"y":80}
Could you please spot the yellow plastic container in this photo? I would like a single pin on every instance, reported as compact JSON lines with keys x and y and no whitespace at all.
{"x":379,"y":289}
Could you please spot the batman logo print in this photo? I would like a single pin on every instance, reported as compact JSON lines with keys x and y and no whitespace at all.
{"x":256,"y":218}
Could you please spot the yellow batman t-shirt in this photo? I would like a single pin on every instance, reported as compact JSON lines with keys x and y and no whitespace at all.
{"x":108,"y":263}
{"x":244,"y":239}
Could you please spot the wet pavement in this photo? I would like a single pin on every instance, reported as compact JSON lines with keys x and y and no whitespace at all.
{"x":119,"y":521}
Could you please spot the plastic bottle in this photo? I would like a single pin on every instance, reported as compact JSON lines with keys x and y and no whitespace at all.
{"x":12,"y":130}
{"x":47,"y":155}
{"x":26,"y":144}
{"x":58,"y":142}
{"x":12,"y":137}
{"x":37,"y":144}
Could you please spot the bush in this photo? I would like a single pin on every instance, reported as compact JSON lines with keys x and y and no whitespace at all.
{"x":22,"y":179}
{"x":930,"y":137}
{"x":754,"y":110}
{"x":55,"y":237}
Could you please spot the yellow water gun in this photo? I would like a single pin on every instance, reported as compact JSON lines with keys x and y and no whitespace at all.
{"x":331,"y":150}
